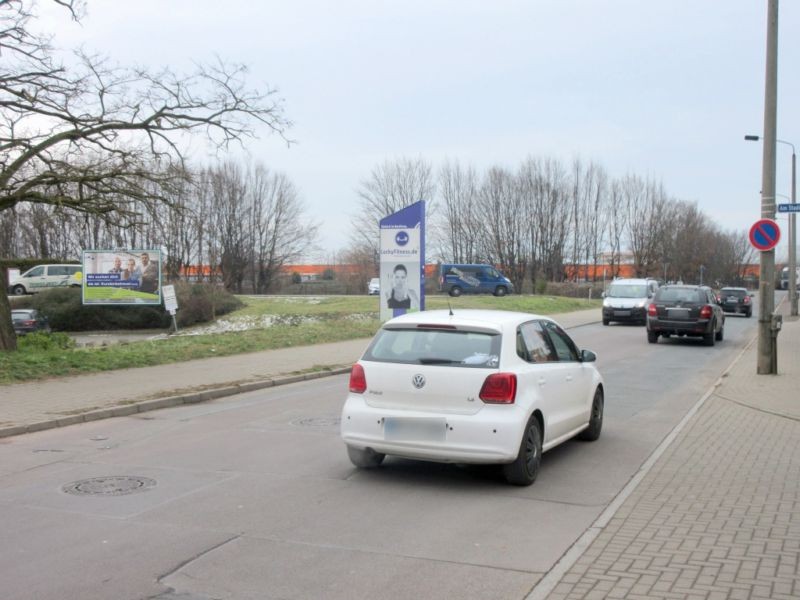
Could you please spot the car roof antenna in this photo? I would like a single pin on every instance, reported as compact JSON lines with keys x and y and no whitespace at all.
{"x":450,"y":307}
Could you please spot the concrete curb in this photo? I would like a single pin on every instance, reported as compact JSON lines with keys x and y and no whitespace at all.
{"x":167,"y":402}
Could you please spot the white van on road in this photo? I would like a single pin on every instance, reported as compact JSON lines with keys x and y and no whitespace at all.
{"x":627,"y":300}
{"x":44,"y":277}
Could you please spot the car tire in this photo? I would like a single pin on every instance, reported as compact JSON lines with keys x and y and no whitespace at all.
{"x":652,"y":337}
{"x":749,"y":313}
{"x":500,"y":290}
{"x":720,"y":334}
{"x":18,"y":290}
{"x":525,"y":468}
{"x":455,"y":291}
{"x":365,"y":458}
{"x":606,"y":321}
{"x":592,"y":433}
{"x":708,"y":338}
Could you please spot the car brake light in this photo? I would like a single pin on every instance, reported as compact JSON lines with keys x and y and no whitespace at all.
{"x":29,"y":323}
{"x":499,"y":388}
{"x":358,"y":380}
{"x":747,"y":299}
{"x":706,"y":312}
{"x":652,"y":310}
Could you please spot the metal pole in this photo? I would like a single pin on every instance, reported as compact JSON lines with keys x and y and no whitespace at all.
{"x":793,"y":243}
{"x":766,"y":295}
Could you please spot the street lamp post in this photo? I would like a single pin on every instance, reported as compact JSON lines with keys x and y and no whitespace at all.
{"x":792,"y":228}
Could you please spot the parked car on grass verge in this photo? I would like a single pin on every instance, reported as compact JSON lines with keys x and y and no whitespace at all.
{"x":685,"y":310}
{"x":626,"y":300}
{"x":29,"y":320}
{"x":374,"y":286}
{"x":735,"y":300}
{"x":473,"y":279}
{"x":477,"y":386}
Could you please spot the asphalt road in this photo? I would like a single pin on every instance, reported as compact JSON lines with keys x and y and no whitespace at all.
{"x":253,"y":496}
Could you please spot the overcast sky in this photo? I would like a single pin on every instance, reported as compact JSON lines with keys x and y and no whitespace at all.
{"x":664,"y":89}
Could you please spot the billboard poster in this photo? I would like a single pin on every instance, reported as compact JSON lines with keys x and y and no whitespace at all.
{"x":122,"y":277}
{"x":402,"y":261}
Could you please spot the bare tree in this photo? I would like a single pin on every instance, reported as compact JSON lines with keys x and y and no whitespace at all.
{"x":460,"y":228}
{"x":505,"y":239}
{"x":589,"y":212}
{"x":390,"y":187}
{"x":86,"y":136}
{"x":543,"y":189}
{"x":281,"y":233}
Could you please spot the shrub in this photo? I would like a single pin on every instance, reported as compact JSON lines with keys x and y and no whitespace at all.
{"x":200,"y":303}
{"x":45,"y":341}
{"x":197,"y":303}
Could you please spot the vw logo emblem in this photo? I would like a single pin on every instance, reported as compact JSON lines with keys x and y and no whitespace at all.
{"x":418,"y":381}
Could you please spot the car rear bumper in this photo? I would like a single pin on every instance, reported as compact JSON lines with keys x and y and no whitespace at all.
{"x":736,"y":308}
{"x":701,"y":327}
{"x":490,"y":436}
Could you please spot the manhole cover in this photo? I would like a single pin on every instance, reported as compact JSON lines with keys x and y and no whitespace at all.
{"x":109,"y":486}
{"x":318,"y":422}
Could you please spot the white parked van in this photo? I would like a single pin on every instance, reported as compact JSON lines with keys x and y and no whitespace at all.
{"x":44,"y":277}
{"x":627,"y":300}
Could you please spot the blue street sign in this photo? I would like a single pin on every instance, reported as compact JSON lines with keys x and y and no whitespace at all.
{"x":790,"y":208}
{"x":765,"y":234}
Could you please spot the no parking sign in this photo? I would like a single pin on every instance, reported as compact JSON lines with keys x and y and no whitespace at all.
{"x":765,"y":234}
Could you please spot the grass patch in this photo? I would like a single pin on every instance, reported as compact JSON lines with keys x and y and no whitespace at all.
{"x":329,"y":319}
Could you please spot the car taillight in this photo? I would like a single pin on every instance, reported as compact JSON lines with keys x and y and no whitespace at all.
{"x":652,"y":310}
{"x":706,"y":312}
{"x":719,"y":299}
{"x":747,"y":299}
{"x":29,"y":323}
{"x":358,"y":381}
{"x":499,"y":388}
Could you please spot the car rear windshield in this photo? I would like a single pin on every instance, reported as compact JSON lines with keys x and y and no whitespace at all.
{"x":738,"y":293}
{"x":21,"y":315}
{"x":627,"y":290}
{"x":680,"y":295}
{"x":436,"y":347}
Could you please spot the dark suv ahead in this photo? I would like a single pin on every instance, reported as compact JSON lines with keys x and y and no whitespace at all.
{"x":685,"y":310}
{"x":735,"y":300}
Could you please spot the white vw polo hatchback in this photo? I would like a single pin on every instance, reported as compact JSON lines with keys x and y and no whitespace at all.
{"x":474,"y":386}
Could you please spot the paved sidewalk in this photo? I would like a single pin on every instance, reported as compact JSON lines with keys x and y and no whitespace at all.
{"x":715,"y":512}
{"x":29,"y":407}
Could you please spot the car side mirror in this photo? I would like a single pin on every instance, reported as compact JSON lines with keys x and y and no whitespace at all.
{"x":588,"y":356}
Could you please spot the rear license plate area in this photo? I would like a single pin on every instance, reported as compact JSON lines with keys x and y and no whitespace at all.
{"x":414,"y":430}
{"x":678,"y":314}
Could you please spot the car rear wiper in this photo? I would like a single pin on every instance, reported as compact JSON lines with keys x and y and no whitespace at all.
{"x":437,"y":361}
